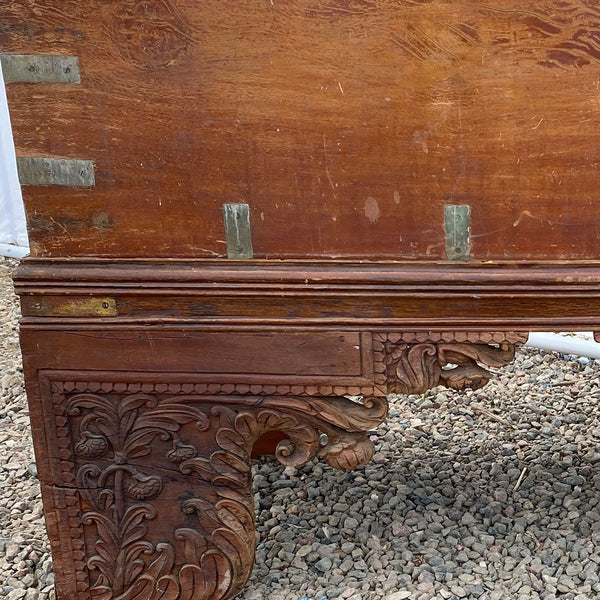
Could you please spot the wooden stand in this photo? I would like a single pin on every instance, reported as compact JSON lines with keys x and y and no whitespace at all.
{"x":150,"y":384}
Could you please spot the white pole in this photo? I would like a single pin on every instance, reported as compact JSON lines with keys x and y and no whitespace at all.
{"x":13,"y":227}
{"x":579,"y":345}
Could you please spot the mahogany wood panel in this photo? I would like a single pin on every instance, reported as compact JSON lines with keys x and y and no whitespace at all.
{"x":346,"y":125}
{"x":235,"y":361}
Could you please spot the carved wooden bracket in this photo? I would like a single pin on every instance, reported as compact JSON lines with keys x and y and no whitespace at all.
{"x":416,"y":362}
{"x":147,"y":485}
{"x":165,"y":505}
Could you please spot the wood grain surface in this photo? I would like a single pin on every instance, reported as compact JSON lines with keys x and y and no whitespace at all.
{"x":346,"y":125}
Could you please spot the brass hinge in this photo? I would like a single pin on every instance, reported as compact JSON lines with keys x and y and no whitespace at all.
{"x":71,"y":306}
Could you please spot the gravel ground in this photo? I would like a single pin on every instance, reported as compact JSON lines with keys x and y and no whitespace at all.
{"x":491,"y":495}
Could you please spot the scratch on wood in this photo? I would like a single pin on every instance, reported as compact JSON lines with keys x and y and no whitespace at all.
{"x":524,"y":213}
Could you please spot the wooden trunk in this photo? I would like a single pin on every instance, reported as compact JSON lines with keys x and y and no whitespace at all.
{"x":241,"y":215}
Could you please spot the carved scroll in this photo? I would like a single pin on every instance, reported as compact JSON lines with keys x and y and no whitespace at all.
{"x":414,"y":364}
{"x":165,"y":482}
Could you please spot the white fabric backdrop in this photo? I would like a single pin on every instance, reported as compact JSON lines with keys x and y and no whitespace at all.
{"x":13,"y":227}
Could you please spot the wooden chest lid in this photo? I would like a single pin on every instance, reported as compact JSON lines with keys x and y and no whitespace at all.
{"x":352,"y":129}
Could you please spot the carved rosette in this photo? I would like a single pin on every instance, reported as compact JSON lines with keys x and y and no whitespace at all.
{"x":413,"y":363}
{"x":165,"y":482}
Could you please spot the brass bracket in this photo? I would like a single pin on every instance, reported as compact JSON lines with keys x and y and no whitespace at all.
{"x":70,"y":306}
{"x":39,"y":68}
{"x":68,"y":172}
{"x":457,"y":223}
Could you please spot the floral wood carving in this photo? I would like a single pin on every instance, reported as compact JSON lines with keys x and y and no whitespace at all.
{"x":413,"y":366}
{"x":143,"y":461}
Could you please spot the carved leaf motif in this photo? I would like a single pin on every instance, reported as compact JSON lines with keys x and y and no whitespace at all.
{"x":180,"y":452}
{"x":91,"y":445}
{"x":463,"y":377}
{"x":162,"y":418}
{"x":348,"y":451}
{"x":212,"y":560}
{"x":108,"y":540}
{"x":468,"y":373}
{"x":348,"y":415}
{"x":481,"y":353}
{"x":133,"y":424}
{"x":119,"y":546}
{"x":144,"y":487}
{"x":239,"y":432}
{"x":207,"y":573}
{"x":415,"y":368}
{"x":157,"y":578}
{"x":87,"y":476}
{"x":101,"y":418}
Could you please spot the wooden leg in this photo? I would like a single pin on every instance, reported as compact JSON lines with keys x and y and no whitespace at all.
{"x":155,"y":498}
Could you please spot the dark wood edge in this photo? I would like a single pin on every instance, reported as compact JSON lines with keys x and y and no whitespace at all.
{"x":309,"y":275}
{"x":271,"y":295}
{"x":302,"y":275}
